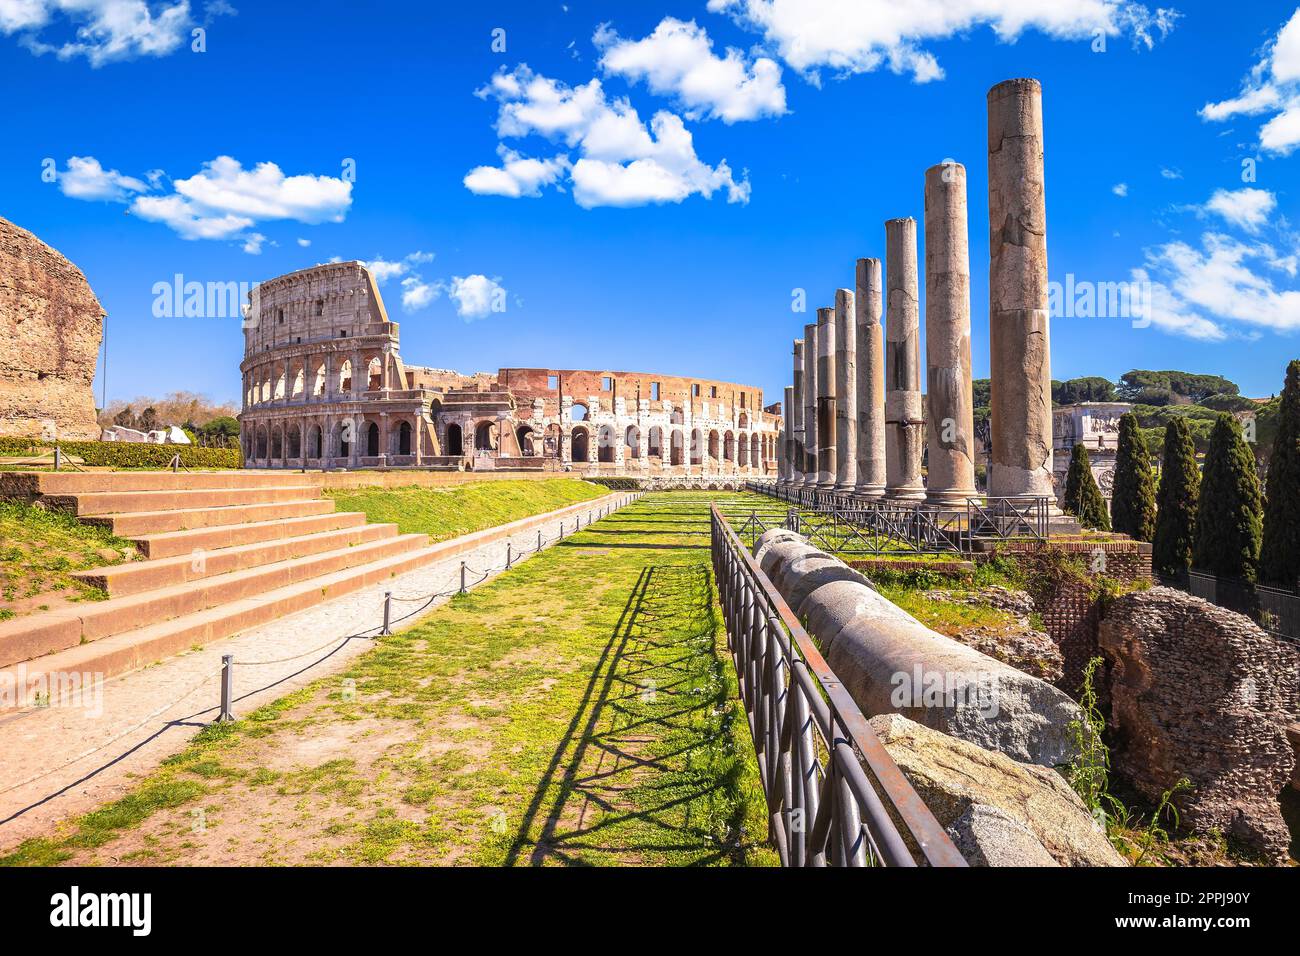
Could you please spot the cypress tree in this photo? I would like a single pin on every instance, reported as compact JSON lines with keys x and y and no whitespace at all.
{"x":1229,"y":521}
{"x":1177,"y":501}
{"x":1133,"y":497}
{"x":1279,"y":559}
{"x":1082,"y":496}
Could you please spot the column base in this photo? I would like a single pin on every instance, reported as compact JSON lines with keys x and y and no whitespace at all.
{"x":905,"y":494}
{"x":873,"y":492}
{"x":951,"y":499}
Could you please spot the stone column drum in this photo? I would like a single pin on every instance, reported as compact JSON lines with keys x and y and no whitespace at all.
{"x":810,"y":437}
{"x":846,"y":393}
{"x":796,"y":430}
{"x":904,"y":421}
{"x":870,"y":385}
{"x":950,"y":413}
{"x":1019,"y":345}
{"x":826,"y":445}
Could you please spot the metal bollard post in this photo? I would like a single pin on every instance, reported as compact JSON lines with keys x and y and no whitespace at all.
{"x":462,"y":577}
{"x":227,"y":687}
{"x":388,"y":612}
{"x":58,"y":457}
{"x":561,"y":530}
{"x":507,"y":555}
{"x":539,"y":539}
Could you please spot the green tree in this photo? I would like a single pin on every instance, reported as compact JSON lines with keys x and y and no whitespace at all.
{"x":125,"y":418}
{"x":1229,"y":520}
{"x":1090,"y":389}
{"x":1133,"y":498}
{"x":1082,"y":496}
{"x":1176,"y":503}
{"x":1279,"y":558}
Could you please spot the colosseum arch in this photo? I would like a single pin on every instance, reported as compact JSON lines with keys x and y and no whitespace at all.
{"x":374,"y":375}
{"x":404,"y":438}
{"x":314,"y":441}
{"x":277,"y":443}
{"x":677,"y":451}
{"x":632,"y":442}
{"x":728,"y":447}
{"x":318,"y":384}
{"x":605,"y":445}
{"x":697,"y":447}
{"x":580,"y":442}
{"x":756,"y":451}
{"x":343,"y":438}
{"x":455,"y":441}
{"x":656,"y":443}
{"x":294,"y":436}
{"x":578,"y":412}
{"x":261,"y":443}
{"x":713,"y":447}
{"x":299,"y":382}
{"x":372,"y":440}
{"x":743,"y":421}
{"x":525,"y":435}
{"x":485,"y":436}
{"x":742,"y":451}
{"x":345,"y":376}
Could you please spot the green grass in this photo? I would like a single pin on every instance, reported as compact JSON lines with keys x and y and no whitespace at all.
{"x":39,"y":549}
{"x":577,"y":710}
{"x":450,"y":512}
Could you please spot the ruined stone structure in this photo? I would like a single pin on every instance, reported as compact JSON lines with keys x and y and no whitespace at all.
{"x":325,"y":387}
{"x":51,"y":324}
{"x":1094,"y":425}
{"x":904,"y":418}
{"x":867,"y":302}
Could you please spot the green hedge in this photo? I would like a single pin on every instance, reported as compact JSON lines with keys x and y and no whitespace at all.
{"x":119,"y":454}
{"x":16,"y":447}
{"x":618,"y":484}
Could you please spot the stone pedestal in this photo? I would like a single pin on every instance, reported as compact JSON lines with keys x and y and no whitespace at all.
{"x":846,"y":392}
{"x":1019,"y":341}
{"x":870,"y":385}
{"x":950,"y":421}
{"x":904,"y":420}
{"x":827,"y":450}
{"x":795,"y":429}
{"x":810,"y":436}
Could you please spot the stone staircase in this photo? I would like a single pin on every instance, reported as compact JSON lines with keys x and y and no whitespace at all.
{"x":224,"y":552}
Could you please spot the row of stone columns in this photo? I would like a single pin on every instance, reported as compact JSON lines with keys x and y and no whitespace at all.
{"x":855,"y":420}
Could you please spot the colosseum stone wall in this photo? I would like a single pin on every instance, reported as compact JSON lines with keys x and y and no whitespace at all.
{"x":325,"y":387}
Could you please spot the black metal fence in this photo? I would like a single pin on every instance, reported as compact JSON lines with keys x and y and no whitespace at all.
{"x":849,"y":524}
{"x":1275,"y":610}
{"x":833,"y":792}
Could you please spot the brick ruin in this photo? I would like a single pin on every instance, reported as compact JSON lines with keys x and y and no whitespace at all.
{"x":325,"y":386}
{"x":51,"y":323}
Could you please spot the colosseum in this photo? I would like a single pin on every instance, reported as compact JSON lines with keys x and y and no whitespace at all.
{"x":325,"y":387}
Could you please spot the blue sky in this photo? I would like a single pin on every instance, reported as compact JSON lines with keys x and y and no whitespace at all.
{"x":663,"y":215}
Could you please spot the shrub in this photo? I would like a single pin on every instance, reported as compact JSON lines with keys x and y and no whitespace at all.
{"x":1133,"y":500}
{"x":1176,"y":503}
{"x":1082,"y":496}
{"x":1279,"y":559}
{"x":1229,"y":520}
{"x":117,"y":454}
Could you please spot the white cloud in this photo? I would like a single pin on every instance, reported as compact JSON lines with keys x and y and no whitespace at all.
{"x":304,"y":243}
{"x":221,"y":201}
{"x":1246,"y":208}
{"x":517,"y":176}
{"x":383,"y":269}
{"x":85,"y":178}
{"x":1272,"y":86}
{"x":861,"y":36}
{"x":623,"y":163}
{"x":1120,"y":189}
{"x":1168,"y":173}
{"x":416,"y":293}
{"x":677,"y":60}
{"x":102,"y":31}
{"x":477,"y":296}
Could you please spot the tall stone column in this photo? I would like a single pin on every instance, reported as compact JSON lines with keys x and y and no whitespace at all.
{"x":1019,"y":344}
{"x":870,"y":386}
{"x":846,"y":392}
{"x":796,"y":432}
{"x":950,"y":413}
{"x":826,"y":446}
{"x":904,"y":421}
{"x":810,"y":436}
{"x":787,"y":442}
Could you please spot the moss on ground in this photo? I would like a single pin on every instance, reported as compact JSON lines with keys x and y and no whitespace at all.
{"x":579,"y":709}
{"x":450,"y":512}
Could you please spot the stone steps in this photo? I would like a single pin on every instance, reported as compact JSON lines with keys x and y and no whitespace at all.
{"x":24,"y":638}
{"x":157,"y":522}
{"x":131,"y":650}
{"x":198,"y":563}
{"x":82,"y":483}
{"x":171,"y":543}
{"x":98,"y":503}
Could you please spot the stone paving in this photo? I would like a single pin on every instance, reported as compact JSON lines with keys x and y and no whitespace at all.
{"x":88,"y":752}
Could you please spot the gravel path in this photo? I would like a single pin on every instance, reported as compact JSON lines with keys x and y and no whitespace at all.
{"x":63,"y":761}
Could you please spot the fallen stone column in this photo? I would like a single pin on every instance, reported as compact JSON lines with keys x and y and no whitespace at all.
{"x":846,"y":392}
{"x":904,"y":419}
{"x":950,"y":407}
{"x":810,"y":436}
{"x":826,"y":447}
{"x":1019,"y":341}
{"x":870,"y":386}
{"x":796,"y":413}
{"x":892,"y":663}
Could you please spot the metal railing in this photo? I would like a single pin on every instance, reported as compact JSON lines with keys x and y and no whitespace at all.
{"x":850,"y":524}
{"x":1274,"y":609}
{"x":834,"y":795}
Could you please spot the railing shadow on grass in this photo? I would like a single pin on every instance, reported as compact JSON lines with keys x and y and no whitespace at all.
{"x":668,"y":624}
